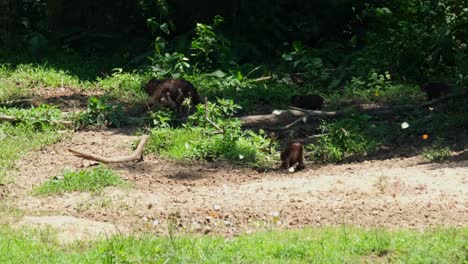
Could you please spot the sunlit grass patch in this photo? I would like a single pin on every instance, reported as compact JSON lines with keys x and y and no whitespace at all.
{"x":318,"y":245}
{"x":88,"y":180}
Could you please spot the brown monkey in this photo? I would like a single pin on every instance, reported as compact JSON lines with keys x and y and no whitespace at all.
{"x":312,"y":101}
{"x":434,"y":89}
{"x":291,"y":155}
{"x":170,"y":93}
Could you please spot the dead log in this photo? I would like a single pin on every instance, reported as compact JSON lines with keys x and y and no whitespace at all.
{"x":136,"y":156}
{"x":295,"y":116}
{"x":7,"y":118}
{"x":278,"y":116}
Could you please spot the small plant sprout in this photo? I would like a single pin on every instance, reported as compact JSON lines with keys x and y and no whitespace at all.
{"x":404,"y":125}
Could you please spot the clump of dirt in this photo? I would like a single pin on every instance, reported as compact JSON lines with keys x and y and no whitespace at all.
{"x":220,"y":198}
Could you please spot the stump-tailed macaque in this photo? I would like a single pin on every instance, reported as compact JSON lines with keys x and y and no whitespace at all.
{"x":312,"y":101}
{"x":291,"y":155}
{"x":434,"y":89}
{"x":170,"y":93}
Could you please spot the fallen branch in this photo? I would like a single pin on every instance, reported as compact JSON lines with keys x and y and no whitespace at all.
{"x":136,"y":156}
{"x":264,"y":78}
{"x":295,"y":115}
{"x":7,"y":118}
{"x":279,"y":116}
{"x":293,"y":124}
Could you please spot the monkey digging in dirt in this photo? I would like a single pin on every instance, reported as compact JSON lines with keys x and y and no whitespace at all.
{"x":311,"y":101}
{"x":291,"y":155}
{"x":170,"y":93}
{"x":434,"y":89}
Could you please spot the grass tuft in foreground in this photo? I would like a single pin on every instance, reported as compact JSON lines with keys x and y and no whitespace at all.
{"x":325,"y":245}
{"x":88,"y":180}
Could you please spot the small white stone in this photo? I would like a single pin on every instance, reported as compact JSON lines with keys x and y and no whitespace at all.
{"x":404,"y":125}
{"x":155,"y":222}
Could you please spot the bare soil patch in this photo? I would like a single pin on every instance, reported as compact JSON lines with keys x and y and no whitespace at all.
{"x":220,"y":198}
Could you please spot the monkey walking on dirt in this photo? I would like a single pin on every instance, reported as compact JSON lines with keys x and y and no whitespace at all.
{"x":290,"y":156}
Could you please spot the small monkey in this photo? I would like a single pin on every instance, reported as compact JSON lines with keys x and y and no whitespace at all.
{"x":170,"y":93}
{"x":434,"y":89}
{"x":291,"y":155}
{"x":312,"y":101}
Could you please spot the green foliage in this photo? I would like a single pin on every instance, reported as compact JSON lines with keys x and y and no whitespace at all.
{"x":343,"y":138}
{"x":318,"y":245}
{"x":162,"y":24}
{"x":222,"y":138}
{"x":41,"y":118}
{"x":207,"y":47}
{"x":101,"y":112}
{"x":169,"y":64}
{"x":162,"y":118}
{"x":124,"y":86}
{"x":372,"y":87}
{"x":421,"y":39}
{"x":88,"y":180}
{"x":313,"y":67}
{"x":437,"y":152}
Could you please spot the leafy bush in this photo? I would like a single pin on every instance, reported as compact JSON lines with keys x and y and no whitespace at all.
{"x":88,"y":180}
{"x":343,"y":138}
{"x":222,"y":138}
{"x":101,"y":112}
{"x":208,"y":49}
{"x":436,"y":154}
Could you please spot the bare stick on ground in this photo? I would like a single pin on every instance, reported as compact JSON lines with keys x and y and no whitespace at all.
{"x":136,"y":156}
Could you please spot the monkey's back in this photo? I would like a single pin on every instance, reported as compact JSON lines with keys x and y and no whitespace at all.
{"x":156,"y":88}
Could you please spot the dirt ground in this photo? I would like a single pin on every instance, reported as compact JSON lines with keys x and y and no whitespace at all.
{"x":219,"y":198}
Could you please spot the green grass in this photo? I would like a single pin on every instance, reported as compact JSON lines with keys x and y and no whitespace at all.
{"x":194,"y":144}
{"x":326,"y":245}
{"x":88,"y":180}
